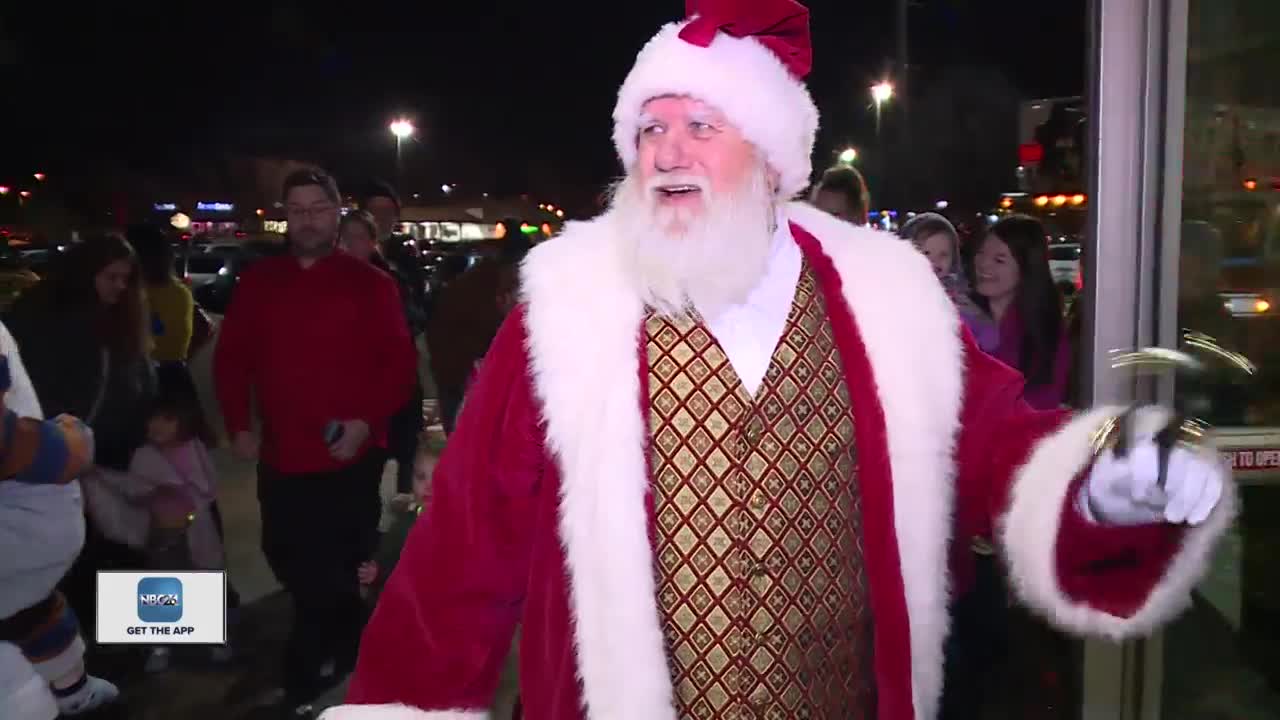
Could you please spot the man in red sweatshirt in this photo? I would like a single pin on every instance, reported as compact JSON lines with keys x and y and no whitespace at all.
{"x":316,"y":338}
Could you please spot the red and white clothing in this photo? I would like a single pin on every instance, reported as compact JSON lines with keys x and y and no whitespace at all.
{"x":542,"y":511}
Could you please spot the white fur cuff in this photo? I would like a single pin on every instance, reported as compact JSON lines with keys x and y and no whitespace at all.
{"x":398,"y":712}
{"x":1029,"y":534}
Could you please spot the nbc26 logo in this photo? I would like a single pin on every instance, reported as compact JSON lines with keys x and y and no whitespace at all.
{"x":159,"y":599}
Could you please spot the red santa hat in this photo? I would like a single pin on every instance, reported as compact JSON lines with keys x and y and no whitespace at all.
{"x":748,"y":58}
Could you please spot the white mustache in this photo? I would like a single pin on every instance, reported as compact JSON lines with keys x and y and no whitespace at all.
{"x":670,"y":179}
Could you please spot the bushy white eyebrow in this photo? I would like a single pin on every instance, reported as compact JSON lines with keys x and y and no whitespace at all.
{"x":705,"y":116}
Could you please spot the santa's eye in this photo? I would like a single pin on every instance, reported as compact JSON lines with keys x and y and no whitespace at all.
{"x":702,"y":129}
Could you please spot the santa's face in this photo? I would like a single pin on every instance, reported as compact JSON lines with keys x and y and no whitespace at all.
{"x":687,"y":149}
{"x":696,"y":212}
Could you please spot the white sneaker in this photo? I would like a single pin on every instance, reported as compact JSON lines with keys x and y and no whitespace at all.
{"x":157,"y":660}
{"x":95,"y":693}
{"x":24,"y":695}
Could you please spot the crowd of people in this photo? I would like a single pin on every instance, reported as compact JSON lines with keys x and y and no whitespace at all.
{"x":321,"y":407}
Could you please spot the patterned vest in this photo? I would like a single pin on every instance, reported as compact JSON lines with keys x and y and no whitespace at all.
{"x":760,"y":579}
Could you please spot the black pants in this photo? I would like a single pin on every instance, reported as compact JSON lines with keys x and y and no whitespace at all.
{"x":316,"y":530}
{"x":450,"y":404}
{"x":977,"y":644}
{"x":233,"y":595}
{"x":402,"y":440}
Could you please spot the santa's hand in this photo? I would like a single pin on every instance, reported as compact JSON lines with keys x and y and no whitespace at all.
{"x":1126,"y":490}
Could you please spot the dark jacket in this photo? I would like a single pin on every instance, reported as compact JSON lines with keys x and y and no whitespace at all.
{"x":65,"y":359}
{"x":414,"y":313}
{"x":466,"y":318}
{"x":406,"y":267}
{"x":404,"y":515}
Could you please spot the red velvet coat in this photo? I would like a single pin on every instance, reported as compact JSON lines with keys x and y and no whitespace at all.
{"x":542,"y":514}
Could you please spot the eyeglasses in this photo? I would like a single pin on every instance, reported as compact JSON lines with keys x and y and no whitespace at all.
{"x":313,"y":211}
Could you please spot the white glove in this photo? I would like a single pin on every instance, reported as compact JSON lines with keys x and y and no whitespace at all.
{"x":1124,"y":491}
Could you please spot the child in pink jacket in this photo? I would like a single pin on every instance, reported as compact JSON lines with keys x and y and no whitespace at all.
{"x":174,"y":479}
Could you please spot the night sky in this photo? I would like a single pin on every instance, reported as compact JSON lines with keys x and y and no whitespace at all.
{"x":508,"y":96}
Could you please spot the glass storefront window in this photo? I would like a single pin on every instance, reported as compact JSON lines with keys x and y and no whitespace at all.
{"x":1222,"y":659}
{"x":1229,"y":280}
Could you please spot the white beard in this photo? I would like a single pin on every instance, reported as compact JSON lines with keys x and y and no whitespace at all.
{"x":704,"y":261}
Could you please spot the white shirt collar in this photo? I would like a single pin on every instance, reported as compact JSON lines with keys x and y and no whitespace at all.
{"x":750,"y":332}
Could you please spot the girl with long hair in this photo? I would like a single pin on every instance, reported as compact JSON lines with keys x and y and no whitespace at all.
{"x":83,"y":336}
{"x":1013,"y":285}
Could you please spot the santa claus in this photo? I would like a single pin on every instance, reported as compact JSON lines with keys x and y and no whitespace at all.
{"x":711,"y":473}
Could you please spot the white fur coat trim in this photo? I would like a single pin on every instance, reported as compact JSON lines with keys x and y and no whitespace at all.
{"x":398,"y":712}
{"x":584,"y":320}
{"x":740,"y":77}
{"x":917,"y":359}
{"x":1030,"y":532}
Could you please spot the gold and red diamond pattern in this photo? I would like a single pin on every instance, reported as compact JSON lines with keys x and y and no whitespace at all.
{"x":761,"y":582}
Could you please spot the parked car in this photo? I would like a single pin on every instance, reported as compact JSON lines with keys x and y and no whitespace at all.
{"x":215,"y":295}
{"x":39,"y":260}
{"x":1065,"y":267}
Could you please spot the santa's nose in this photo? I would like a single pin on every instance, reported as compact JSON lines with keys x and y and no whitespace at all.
{"x":671,"y":155}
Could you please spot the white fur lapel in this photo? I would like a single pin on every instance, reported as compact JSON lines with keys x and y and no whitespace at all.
{"x":584,"y":320}
{"x":911,"y":333}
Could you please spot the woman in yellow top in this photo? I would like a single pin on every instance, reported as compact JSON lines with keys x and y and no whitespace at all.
{"x":171,"y":306}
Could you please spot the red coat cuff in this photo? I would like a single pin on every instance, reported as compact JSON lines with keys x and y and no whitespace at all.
{"x":1094,"y":579}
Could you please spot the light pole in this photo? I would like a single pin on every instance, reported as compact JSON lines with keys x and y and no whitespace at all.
{"x":881,"y":93}
{"x":402,"y":129}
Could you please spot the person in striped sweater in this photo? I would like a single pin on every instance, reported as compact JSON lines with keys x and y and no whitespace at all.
{"x":41,"y":531}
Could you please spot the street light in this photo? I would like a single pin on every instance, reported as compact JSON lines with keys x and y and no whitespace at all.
{"x":848,"y":156}
{"x":881,"y":93}
{"x":402,"y":129}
